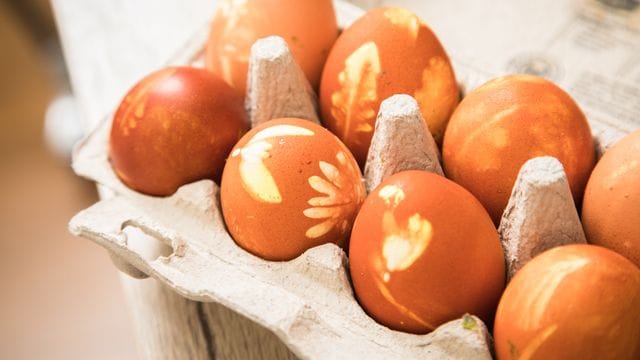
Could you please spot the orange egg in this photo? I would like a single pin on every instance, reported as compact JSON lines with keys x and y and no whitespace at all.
{"x":424,"y":251}
{"x":308,"y":27}
{"x":571,"y":302}
{"x":290,"y":185}
{"x":611,"y":208}
{"x":176,"y":126}
{"x":386,"y":52}
{"x":504,"y":123}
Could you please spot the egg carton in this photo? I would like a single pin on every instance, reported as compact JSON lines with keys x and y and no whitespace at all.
{"x":308,"y":302}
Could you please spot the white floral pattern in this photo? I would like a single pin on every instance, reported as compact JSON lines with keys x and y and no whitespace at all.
{"x":342,"y":197}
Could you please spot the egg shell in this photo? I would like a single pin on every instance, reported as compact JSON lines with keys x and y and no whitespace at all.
{"x":308,"y":27}
{"x":388,"y":51}
{"x":290,"y":185}
{"x":611,"y":207}
{"x":424,"y":251}
{"x":177,"y":125}
{"x":507,"y":121}
{"x":571,"y":302}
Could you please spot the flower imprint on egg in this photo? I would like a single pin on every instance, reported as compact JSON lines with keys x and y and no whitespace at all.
{"x":358,"y":83}
{"x":256,"y":177}
{"x":341,"y":197}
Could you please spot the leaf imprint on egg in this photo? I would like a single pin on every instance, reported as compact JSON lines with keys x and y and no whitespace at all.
{"x":358,"y":89}
{"x":392,"y":195}
{"x":232,"y":38}
{"x":256,"y":177}
{"x":342,"y":195}
{"x":537,"y":341}
{"x":539,"y":296}
{"x":403,"y":245}
{"x":401,"y":308}
{"x":434,"y":94}
{"x":405,"y":19}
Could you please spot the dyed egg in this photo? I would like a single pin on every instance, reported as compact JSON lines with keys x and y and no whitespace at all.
{"x":571,"y":302}
{"x":611,"y":207}
{"x":176,"y":126}
{"x":423,"y":251}
{"x":386,"y":52}
{"x":308,"y":27}
{"x":504,"y":123}
{"x":290,"y":185}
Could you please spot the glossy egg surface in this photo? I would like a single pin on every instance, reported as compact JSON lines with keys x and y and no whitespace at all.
{"x":386,"y":52}
{"x":423,"y":251}
{"x":289,"y":185}
{"x":611,"y":207}
{"x":175,"y":126}
{"x":504,"y":123}
{"x":308,"y":27}
{"x":571,"y":302}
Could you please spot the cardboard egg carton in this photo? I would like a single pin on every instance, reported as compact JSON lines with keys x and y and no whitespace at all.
{"x":181,"y":240}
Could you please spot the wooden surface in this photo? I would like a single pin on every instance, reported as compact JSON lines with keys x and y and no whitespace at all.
{"x":169,"y":326}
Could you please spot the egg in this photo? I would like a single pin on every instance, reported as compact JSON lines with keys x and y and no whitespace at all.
{"x":177,"y":125}
{"x":504,"y":123}
{"x":571,"y":302}
{"x":611,"y":207}
{"x":386,"y":52}
{"x":290,"y":185}
{"x":423,"y":251}
{"x":308,"y":27}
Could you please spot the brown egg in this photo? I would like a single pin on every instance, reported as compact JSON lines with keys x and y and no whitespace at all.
{"x":571,"y":302}
{"x":308,"y":27}
{"x":504,"y":123}
{"x":176,"y":126}
{"x":290,"y":185}
{"x":424,"y":251}
{"x":386,"y":52}
{"x":611,"y":207}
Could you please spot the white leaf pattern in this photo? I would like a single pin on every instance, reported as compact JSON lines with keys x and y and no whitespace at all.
{"x":255,"y":176}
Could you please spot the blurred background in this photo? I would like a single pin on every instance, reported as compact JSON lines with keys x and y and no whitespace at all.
{"x":61,"y":297}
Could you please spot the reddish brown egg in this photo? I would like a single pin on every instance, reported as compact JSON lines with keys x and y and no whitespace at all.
{"x":611,"y":207}
{"x":386,"y":52}
{"x":290,"y":185}
{"x":424,"y":251}
{"x":571,"y":302}
{"x":175,"y":126}
{"x":308,"y":27}
{"x":504,"y":123}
